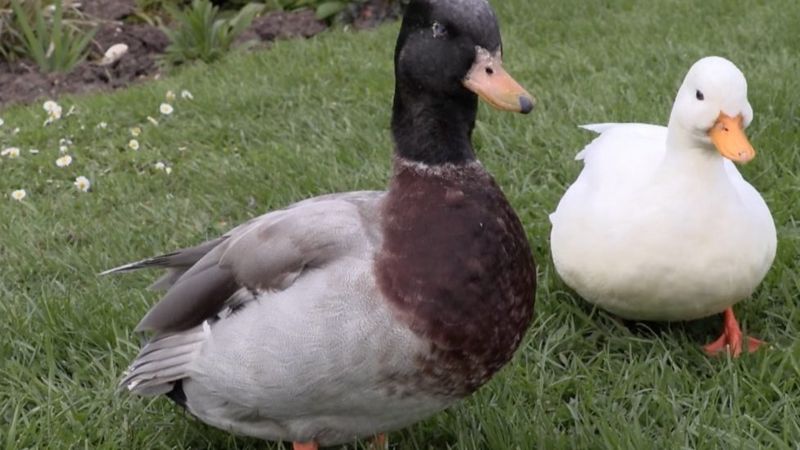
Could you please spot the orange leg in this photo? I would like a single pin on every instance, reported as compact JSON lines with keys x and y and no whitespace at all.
{"x":379,"y":442}
{"x":731,"y":338}
{"x":305,"y":446}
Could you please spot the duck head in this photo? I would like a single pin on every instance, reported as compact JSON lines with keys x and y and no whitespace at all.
{"x":711,"y":109}
{"x":448,"y":54}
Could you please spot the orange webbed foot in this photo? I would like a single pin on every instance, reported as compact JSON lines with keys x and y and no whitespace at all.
{"x":379,"y":442}
{"x":731,"y":339}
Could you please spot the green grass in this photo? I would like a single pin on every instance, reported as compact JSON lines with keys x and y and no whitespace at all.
{"x":310,"y":117}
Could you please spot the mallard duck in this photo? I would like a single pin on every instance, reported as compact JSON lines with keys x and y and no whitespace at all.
{"x":660,"y":225}
{"x":351,"y":314}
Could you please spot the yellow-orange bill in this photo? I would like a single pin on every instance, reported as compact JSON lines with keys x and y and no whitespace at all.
{"x":492,"y":83}
{"x":728,"y":136}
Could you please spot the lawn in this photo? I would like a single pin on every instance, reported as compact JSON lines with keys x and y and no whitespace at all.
{"x":309,"y":117}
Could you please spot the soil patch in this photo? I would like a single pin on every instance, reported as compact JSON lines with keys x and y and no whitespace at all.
{"x":21,"y":82}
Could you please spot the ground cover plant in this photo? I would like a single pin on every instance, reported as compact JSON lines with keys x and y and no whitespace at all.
{"x":167,"y":168}
{"x":201,"y":34}
{"x":52,"y":47}
{"x":50,"y":42}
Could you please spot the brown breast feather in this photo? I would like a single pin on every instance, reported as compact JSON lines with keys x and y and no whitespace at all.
{"x":456,"y":267}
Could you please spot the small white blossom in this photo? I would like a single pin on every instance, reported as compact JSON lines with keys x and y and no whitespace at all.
{"x":186,"y":95}
{"x":64,"y":141}
{"x":11,"y":152}
{"x":170,"y":96}
{"x":102,"y":125}
{"x":63,"y":149}
{"x":53,"y":111}
{"x":136,"y":131}
{"x":168,"y":170}
{"x":133,"y":144}
{"x":2,"y":122}
{"x":160,"y":166}
{"x":34,"y":151}
{"x":152,"y":120}
{"x":166,"y":109}
{"x":82,"y":183}
{"x":50,"y":105}
{"x":15,"y":131}
{"x":19,"y":195}
{"x":64,"y":161}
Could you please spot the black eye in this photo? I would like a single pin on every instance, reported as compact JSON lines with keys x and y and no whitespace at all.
{"x":439,"y":30}
{"x":699,"y":95}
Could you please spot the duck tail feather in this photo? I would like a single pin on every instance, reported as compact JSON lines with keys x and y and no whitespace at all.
{"x":164,"y":360}
{"x":598,"y":127}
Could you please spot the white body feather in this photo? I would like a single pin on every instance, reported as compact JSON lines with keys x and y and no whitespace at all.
{"x":654,"y":235}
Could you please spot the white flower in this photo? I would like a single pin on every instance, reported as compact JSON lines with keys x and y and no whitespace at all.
{"x":19,"y":194}
{"x":82,"y":183}
{"x":152,"y":120}
{"x":34,"y":151}
{"x":11,"y":152}
{"x":53,"y":111}
{"x":64,"y":161}
{"x":2,"y":122}
{"x":170,"y":96}
{"x":133,"y":144}
{"x":166,"y":109}
{"x":64,"y":141}
{"x":51,"y":106}
{"x":63,"y":149}
{"x":186,"y":95}
{"x":163,"y":167}
{"x":102,"y":125}
{"x":136,"y":131}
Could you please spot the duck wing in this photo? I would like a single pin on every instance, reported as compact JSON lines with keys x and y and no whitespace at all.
{"x":623,"y":154}
{"x":266,"y":253}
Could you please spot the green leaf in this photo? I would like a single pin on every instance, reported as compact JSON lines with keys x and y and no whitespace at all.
{"x":32,"y":44}
{"x":327,"y":10}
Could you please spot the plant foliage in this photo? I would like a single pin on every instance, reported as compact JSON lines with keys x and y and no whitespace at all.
{"x":324,"y":9}
{"x":200,"y":32}
{"x":45,"y":37}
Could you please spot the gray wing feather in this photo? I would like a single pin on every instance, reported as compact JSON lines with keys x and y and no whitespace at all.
{"x":176,"y":263}
{"x":163,"y":360}
{"x":268,"y":252}
{"x":195,"y":296}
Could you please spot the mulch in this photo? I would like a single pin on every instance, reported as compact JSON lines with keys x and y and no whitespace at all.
{"x":21,"y":82}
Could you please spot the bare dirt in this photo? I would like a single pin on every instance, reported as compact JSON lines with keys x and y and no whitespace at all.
{"x":21,"y":82}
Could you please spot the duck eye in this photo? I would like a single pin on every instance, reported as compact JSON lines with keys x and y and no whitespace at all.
{"x":699,"y":95}
{"x":439,"y":30}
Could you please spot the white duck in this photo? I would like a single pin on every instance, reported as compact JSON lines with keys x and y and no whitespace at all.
{"x":350,"y":314}
{"x":659,"y":224}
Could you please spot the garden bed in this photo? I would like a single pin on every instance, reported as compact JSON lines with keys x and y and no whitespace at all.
{"x":22,"y":82}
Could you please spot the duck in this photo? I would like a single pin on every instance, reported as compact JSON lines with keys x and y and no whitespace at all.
{"x":660,"y":225}
{"x":349,"y":315}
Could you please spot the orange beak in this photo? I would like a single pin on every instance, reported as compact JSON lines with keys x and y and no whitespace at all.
{"x":728,"y":136}
{"x":492,"y":83}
